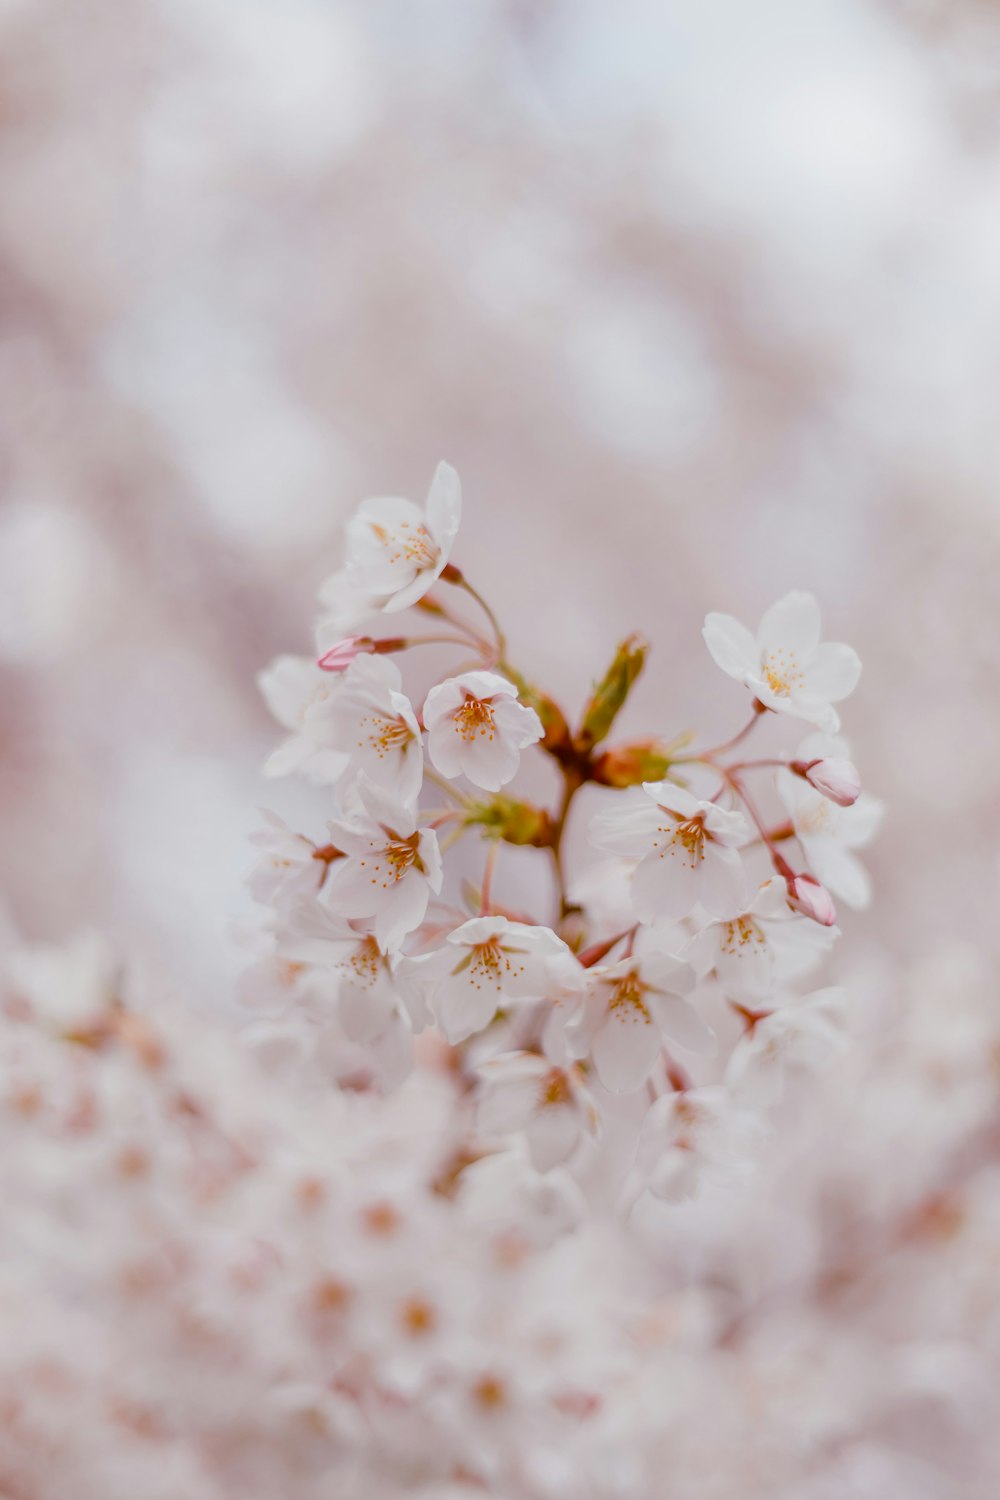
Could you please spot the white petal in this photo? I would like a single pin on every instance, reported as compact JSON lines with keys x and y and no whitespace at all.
{"x":666,"y":884}
{"x":488,"y":762}
{"x":840,"y":871}
{"x":833,"y":672}
{"x":442,"y":701}
{"x":681,"y":1024}
{"x":401,"y":910}
{"x":444,"y":506}
{"x":627,"y":827}
{"x":552,"y":1135}
{"x":461,"y":1006}
{"x":517,"y":723}
{"x":722,"y":882}
{"x":792,"y":624}
{"x":625,"y":1049}
{"x":732,"y":646}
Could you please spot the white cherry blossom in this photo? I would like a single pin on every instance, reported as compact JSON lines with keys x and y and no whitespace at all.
{"x":800,"y":1035}
{"x":373,"y":724}
{"x":765,"y":943}
{"x":477,"y":728}
{"x":390,"y":866}
{"x":829,"y":834}
{"x":786,"y":666}
{"x":300,"y":695}
{"x":686,"y":848}
{"x":484,"y":964}
{"x":345,"y":609}
{"x":396,"y":551}
{"x":630,"y":1009}
{"x":290,"y":867}
{"x":694,"y":1138}
{"x":551,"y":1105}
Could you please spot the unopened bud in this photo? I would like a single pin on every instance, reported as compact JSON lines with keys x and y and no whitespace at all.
{"x":836,"y":779}
{"x":611,"y":692}
{"x":637,"y":761}
{"x":514,"y":822}
{"x":340,"y":655}
{"x":805,"y":894}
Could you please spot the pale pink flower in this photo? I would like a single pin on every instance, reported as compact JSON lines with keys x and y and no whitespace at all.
{"x":390,"y":866}
{"x":551,"y":1105}
{"x":691,"y":1139}
{"x":299,"y":695}
{"x":786,"y":666}
{"x":630,"y":1010}
{"x":766,"y":943}
{"x":396,"y":551}
{"x":800,"y":1035}
{"x":686,"y":848}
{"x":829,"y":834}
{"x":477,"y":728}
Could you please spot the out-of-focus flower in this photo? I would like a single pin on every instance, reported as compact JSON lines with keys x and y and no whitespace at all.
{"x":300,"y":695}
{"x":396,"y":551}
{"x":829,"y":834}
{"x":686,"y":848}
{"x":799,"y":1035}
{"x":786,"y":667}
{"x":522,"y":1091}
{"x":477,"y":728}
{"x":390,"y":866}
{"x":630,"y":1009}
{"x":693,"y":1138}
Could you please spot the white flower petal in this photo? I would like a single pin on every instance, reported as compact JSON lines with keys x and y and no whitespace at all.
{"x":792,"y":625}
{"x":625,"y":1049}
{"x":833,"y":671}
{"x":732,"y":646}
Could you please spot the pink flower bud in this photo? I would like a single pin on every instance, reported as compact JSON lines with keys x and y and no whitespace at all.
{"x":812,"y":899}
{"x":836,"y":779}
{"x":340,"y":655}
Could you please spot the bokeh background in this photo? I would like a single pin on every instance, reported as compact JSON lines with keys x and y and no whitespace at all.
{"x":701,"y":298}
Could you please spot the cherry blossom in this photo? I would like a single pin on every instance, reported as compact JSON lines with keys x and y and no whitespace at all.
{"x":373,"y":724}
{"x":300,"y":695}
{"x":686,"y":848}
{"x":693,"y":1138}
{"x":829,"y":834}
{"x":764,"y":944}
{"x":389,"y":868}
{"x":629,"y":1010}
{"x":786,"y":667}
{"x":485,"y":964}
{"x":290,"y":867}
{"x":552,"y":1105}
{"x":396,"y":551}
{"x":798,"y":1036}
{"x":477,"y":728}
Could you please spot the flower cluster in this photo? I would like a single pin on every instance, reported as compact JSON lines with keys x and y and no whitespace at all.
{"x":648,"y":1013}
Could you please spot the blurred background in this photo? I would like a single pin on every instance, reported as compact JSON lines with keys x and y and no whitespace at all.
{"x":701,"y":298}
